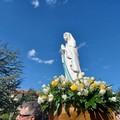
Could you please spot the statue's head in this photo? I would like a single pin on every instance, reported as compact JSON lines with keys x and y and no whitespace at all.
{"x":66,"y":36}
{"x":69,"y":39}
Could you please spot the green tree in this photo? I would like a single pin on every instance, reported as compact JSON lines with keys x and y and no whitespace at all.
{"x":118,"y":93}
{"x":30,"y":95}
{"x":10,"y":77}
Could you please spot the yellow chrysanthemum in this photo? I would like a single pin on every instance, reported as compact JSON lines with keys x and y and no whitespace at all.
{"x":74,"y":87}
{"x":102,"y":87}
{"x":94,"y":85}
{"x":81,"y":85}
{"x":54,"y":83}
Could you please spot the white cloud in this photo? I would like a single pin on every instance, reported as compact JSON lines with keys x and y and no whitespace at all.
{"x":42,"y":61}
{"x":85,"y":69}
{"x":36,"y":59}
{"x":31,"y":53}
{"x":48,"y":61}
{"x":35,"y":3}
{"x":65,"y":1}
{"x":106,"y":67}
{"x":51,"y":2}
{"x":82,"y":45}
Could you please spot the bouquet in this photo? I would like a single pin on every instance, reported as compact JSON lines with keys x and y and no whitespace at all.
{"x":84,"y":93}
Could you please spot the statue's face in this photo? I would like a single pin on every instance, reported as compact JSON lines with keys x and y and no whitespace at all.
{"x":65,"y":37}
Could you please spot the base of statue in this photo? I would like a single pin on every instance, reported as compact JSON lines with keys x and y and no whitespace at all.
{"x":87,"y":115}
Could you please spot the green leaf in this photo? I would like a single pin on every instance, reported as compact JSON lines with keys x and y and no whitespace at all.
{"x":93,"y":104}
{"x":58,"y":105}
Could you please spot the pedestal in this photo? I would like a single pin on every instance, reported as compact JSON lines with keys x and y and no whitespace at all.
{"x":87,"y":115}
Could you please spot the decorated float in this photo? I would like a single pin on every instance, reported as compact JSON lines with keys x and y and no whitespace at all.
{"x":74,"y":96}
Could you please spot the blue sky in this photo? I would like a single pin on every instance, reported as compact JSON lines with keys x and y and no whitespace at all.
{"x":37,"y":26}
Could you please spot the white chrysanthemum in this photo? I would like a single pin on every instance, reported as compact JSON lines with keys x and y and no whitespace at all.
{"x":114,"y":99}
{"x":86,"y":82}
{"x":80,"y":89}
{"x":55,"y":77}
{"x":82,"y":81}
{"x":50,"y":97}
{"x":102,"y":91}
{"x":85,"y":92}
{"x":98,"y":83}
{"x":64,"y":96}
{"x":109,"y":88}
{"x":64,"y":83}
{"x":46,"y":90}
{"x":43,"y":86}
{"x":82,"y":73}
{"x":87,"y":78}
{"x":40,"y":100}
{"x":77,"y":82}
{"x":103,"y":82}
{"x":79,"y":93}
{"x":92,"y":78}
{"x":62,"y":78}
{"x":113,"y":93}
{"x":91,"y":88}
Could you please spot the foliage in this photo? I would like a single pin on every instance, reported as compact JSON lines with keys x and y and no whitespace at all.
{"x":118,"y":95}
{"x":10,"y":77}
{"x":85,"y":93}
{"x":30,"y":95}
{"x":5,"y":117}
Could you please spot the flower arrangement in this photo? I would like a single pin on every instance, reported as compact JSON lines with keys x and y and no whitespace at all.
{"x":84,"y":93}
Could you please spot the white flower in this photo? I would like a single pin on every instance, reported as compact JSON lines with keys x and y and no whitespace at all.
{"x":40,"y":100}
{"x":46,"y":90}
{"x":102,"y":91}
{"x":92,"y":78}
{"x":82,"y":73}
{"x":43,"y":86}
{"x":98,"y":83}
{"x":79,"y":93}
{"x":109,"y":88}
{"x":103,"y":82}
{"x":113,"y":93}
{"x":77,"y":82}
{"x":88,"y":78}
{"x":80,"y":89}
{"x":64,"y":96}
{"x":86,"y":83}
{"x":114,"y":99}
{"x":91,"y":88}
{"x":63,"y":83}
{"x":62,"y":77}
{"x":85,"y":92}
{"x":55,"y":77}
{"x":82,"y":81}
{"x":50,"y":97}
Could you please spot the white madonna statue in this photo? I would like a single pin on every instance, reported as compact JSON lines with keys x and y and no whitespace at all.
{"x":70,"y":58}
